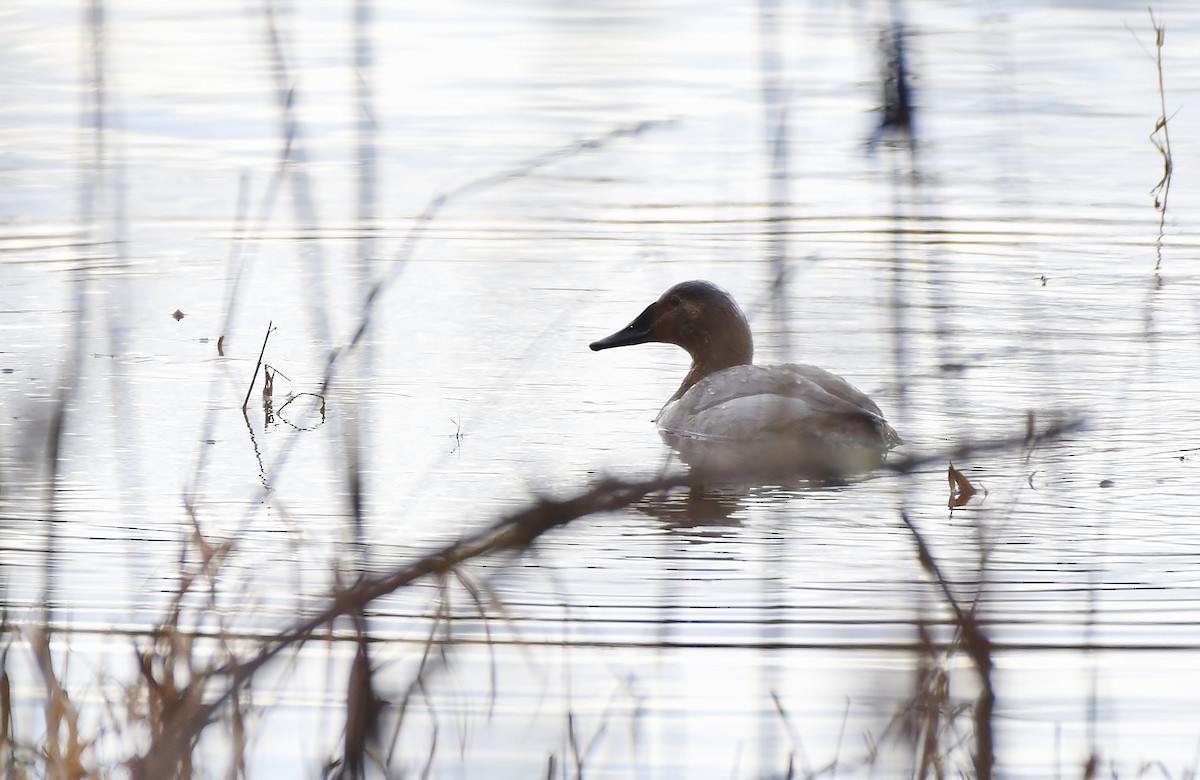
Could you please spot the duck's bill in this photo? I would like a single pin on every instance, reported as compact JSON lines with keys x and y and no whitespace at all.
{"x":622,"y":338}
{"x":639,"y":331}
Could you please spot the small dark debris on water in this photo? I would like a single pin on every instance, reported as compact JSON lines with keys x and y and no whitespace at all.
{"x":1043,"y":280}
{"x":178,"y":315}
{"x":1107,"y":483}
{"x":221,"y":346}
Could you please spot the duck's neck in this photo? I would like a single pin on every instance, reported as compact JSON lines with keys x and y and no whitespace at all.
{"x":735,"y":348}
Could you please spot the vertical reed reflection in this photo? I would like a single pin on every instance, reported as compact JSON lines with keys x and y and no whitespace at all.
{"x":363,"y":705}
{"x":358,"y":405}
{"x":775,"y":144}
{"x":91,"y":183}
{"x":898,"y":119}
{"x":776,"y":138}
{"x":307,"y":224}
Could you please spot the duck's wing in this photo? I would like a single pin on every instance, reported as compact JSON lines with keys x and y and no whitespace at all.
{"x":745,"y":402}
{"x":841,"y":389}
{"x":817,"y":389}
{"x":834,"y":385}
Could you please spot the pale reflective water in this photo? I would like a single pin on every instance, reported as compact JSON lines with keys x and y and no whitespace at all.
{"x":712,"y":635}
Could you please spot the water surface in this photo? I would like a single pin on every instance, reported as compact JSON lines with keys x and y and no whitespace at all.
{"x":612,"y":150}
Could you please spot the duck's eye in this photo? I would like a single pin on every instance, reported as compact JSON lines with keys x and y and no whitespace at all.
{"x":675,"y":300}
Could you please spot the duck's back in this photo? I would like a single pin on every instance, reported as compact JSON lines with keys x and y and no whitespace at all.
{"x":777,"y":418}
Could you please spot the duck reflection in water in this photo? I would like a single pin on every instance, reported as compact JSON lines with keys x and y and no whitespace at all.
{"x":695,"y":507}
{"x":733,"y":419}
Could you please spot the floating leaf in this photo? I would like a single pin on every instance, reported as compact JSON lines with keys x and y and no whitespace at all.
{"x":961,"y":488}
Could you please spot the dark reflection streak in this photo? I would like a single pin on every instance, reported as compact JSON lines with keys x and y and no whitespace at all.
{"x":125,"y":430}
{"x":362,"y":706}
{"x":899,"y":292}
{"x":90,"y":182}
{"x":891,"y":43}
{"x":890,"y":40}
{"x":948,"y":351}
{"x":358,"y":431}
{"x":364,"y":89}
{"x":974,"y":639}
{"x":775,"y":140}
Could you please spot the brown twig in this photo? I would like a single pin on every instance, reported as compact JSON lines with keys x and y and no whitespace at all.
{"x":1160,"y":125}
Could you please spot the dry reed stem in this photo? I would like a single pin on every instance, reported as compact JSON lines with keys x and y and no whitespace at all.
{"x":797,"y":747}
{"x":64,"y":749}
{"x":257,"y":365}
{"x":1163,"y":186}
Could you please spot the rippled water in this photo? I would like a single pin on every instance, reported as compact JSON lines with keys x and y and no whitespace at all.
{"x":590,"y":156}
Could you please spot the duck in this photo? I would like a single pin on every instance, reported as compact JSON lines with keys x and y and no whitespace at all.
{"x":731,"y":417}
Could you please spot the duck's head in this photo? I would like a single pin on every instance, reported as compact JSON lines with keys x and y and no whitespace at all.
{"x":698,"y":316}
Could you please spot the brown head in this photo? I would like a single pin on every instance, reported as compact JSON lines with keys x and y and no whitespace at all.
{"x":698,"y":316}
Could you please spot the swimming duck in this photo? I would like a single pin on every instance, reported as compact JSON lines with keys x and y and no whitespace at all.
{"x":731,"y":417}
